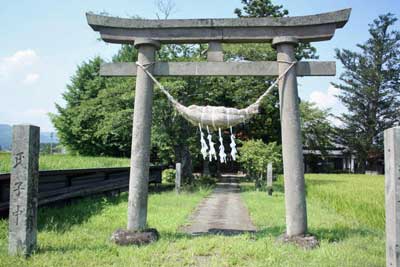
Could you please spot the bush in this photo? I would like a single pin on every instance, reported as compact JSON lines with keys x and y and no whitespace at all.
{"x":205,"y":180}
{"x":201,"y":183}
{"x":255,"y":156}
{"x":168,"y":175}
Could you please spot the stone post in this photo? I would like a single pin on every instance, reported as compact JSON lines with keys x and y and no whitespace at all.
{"x":215,"y":52}
{"x":24,"y":190}
{"x":140,"y":155}
{"x":292,"y":147}
{"x":269,"y":179}
{"x":352,"y":164}
{"x":392,"y":196}
{"x":178,"y":177}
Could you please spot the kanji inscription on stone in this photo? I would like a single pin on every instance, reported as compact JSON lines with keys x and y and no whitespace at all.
{"x":24,"y":190}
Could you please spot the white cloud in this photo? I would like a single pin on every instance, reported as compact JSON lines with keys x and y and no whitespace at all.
{"x":326,"y":99}
{"x":22,"y":58}
{"x":17,"y":62}
{"x":31,"y":78}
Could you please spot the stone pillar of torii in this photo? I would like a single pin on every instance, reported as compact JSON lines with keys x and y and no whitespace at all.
{"x":284,"y":34}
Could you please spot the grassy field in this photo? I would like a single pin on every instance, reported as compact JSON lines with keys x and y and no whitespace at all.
{"x":58,"y":162}
{"x":345,"y":212}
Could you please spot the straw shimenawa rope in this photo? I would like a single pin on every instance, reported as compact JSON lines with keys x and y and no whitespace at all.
{"x":215,"y":116}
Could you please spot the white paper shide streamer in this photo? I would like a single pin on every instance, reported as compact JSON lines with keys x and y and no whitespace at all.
{"x":233,"y":146}
{"x":204,"y":147}
{"x":222,"y":154}
{"x":212,"y":153}
{"x":209,"y":150}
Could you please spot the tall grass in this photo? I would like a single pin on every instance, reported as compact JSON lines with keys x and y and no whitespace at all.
{"x":60,"y":162}
{"x":360,"y":198}
{"x":78,"y":234}
{"x":345,"y":212}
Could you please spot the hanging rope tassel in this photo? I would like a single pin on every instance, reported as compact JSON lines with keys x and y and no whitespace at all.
{"x":233,"y":145}
{"x":222,"y":154}
{"x":212,"y":153}
{"x":204,"y":147}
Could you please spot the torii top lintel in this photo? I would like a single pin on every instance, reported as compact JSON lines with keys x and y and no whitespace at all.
{"x":237,"y":30}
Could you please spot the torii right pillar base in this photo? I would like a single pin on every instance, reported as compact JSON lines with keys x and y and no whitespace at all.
{"x":292,"y":147}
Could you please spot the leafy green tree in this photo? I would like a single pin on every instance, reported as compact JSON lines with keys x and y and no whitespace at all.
{"x":255,"y":156}
{"x":97,"y":118}
{"x":260,"y":8}
{"x":76,"y":122}
{"x":370,"y":90}
{"x":317,"y":131}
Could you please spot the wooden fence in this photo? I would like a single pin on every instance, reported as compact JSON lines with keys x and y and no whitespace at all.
{"x":61,"y":185}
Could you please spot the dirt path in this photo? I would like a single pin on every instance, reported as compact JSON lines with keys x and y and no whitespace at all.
{"x":223,"y":212}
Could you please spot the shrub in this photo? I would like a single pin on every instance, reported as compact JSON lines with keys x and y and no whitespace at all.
{"x":205,"y":180}
{"x":255,"y":156}
{"x":168,"y":175}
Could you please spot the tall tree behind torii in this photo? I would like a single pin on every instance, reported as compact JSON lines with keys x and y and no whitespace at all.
{"x":370,"y":90}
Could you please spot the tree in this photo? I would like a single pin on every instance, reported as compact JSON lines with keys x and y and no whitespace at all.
{"x":76,"y":122}
{"x":260,"y":8}
{"x":97,"y":117}
{"x":317,"y":131}
{"x":255,"y":156}
{"x":370,"y":90}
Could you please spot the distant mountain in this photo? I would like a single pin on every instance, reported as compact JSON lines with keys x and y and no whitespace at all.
{"x":6,"y":137}
{"x":49,"y":137}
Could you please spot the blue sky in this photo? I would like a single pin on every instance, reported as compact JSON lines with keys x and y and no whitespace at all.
{"x":42,"y":42}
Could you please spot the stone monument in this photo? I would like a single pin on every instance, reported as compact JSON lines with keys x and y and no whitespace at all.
{"x":24,"y":190}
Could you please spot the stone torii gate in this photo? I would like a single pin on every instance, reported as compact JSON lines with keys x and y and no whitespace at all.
{"x":284,"y":34}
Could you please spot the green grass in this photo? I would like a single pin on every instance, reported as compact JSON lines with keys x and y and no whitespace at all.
{"x":78,"y":235}
{"x":345,"y":212}
{"x":59,"y":162}
{"x":360,"y":198}
{"x":350,"y":235}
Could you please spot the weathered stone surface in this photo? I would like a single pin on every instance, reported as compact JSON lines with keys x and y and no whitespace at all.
{"x":258,"y":68}
{"x":303,"y":241}
{"x":392,"y":196}
{"x":269,"y":179}
{"x":24,"y":190}
{"x":214,"y":52}
{"x":292,"y":146}
{"x":140,"y":155}
{"x":285,"y":40}
{"x":305,"y":28}
{"x":125,"y":237}
{"x":339,"y":18}
{"x":178,"y":177}
{"x":145,"y":41}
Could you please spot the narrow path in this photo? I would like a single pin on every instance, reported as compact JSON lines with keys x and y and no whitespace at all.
{"x":223,"y":212}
